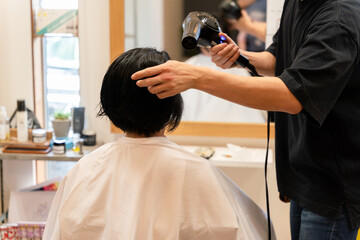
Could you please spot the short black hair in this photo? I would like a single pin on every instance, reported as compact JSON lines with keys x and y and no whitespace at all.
{"x":134,"y":109}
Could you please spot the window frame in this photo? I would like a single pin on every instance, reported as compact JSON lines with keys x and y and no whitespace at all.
{"x":39,"y":93}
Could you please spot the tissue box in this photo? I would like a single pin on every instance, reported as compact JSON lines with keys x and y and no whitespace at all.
{"x":30,"y":206}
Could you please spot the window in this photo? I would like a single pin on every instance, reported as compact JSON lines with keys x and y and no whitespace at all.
{"x":55,"y":25}
{"x":61,"y":75}
{"x":56,"y":68}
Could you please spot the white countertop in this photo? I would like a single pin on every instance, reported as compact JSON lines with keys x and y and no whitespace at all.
{"x":246,"y":157}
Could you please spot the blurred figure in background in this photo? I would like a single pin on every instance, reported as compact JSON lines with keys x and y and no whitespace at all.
{"x":251,"y":25}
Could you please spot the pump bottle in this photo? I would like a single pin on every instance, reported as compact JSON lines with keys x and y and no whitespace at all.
{"x":22,"y":121}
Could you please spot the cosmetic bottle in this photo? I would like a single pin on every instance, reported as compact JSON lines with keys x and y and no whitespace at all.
{"x":21,"y":121}
{"x":3,"y":124}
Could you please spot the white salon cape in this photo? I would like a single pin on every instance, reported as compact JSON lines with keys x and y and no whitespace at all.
{"x":151,"y":189}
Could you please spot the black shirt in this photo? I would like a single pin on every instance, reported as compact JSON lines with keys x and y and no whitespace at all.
{"x":318,"y":150}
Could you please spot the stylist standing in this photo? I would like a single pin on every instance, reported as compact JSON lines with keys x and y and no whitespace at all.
{"x":314,"y":62}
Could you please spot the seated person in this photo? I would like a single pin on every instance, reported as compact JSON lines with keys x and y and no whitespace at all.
{"x":144,"y":186}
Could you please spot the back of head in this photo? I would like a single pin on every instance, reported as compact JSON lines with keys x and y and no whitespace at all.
{"x":134,"y":109}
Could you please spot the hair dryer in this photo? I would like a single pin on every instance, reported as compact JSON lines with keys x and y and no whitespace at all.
{"x":202,"y":29}
{"x":230,"y":9}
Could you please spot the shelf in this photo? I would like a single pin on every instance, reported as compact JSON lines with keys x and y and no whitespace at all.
{"x":223,"y":156}
{"x":68,"y":156}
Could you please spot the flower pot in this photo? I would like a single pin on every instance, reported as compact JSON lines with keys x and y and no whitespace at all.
{"x":61,"y":127}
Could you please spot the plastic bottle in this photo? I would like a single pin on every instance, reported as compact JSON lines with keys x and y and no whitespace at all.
{"x":22,"y":121}
{"x":76,"y":145}
{"x":3,"y":122}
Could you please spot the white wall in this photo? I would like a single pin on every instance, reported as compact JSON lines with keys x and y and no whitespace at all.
{"x":94,"y":61}
{"x":273,"y":17}
{"x":15,"y":79}
{"x":149,"y":23}
{"x":154,"y":24}
{"x":15,"y":54}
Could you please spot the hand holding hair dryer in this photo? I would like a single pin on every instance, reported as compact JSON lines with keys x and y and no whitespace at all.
{"x":202,"y":29}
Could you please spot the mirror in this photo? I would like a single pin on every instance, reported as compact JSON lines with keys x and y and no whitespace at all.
{"x":157,"y":24}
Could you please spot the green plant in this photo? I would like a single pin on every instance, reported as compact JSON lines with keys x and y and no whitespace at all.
{"x":61,"y":115}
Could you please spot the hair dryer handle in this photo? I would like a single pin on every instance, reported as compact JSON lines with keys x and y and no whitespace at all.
{"x":242,"y":61}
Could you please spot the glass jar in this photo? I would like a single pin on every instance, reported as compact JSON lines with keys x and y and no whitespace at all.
{"x":39,"y":135}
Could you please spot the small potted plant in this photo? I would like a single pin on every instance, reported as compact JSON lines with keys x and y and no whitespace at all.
{"x":61,"y":124}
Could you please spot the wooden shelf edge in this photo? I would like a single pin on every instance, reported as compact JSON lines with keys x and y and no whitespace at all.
{"x":213,"y":129}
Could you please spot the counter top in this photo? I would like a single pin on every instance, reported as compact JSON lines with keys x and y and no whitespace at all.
{"x":68,"y":156}
{"x":223,"y":156}
{"x":247,"y":157}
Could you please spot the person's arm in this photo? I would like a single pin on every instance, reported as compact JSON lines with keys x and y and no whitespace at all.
{"x":224,"y":56}
{"x":246,"y":24}
{"x":264,"y":62}
{"x":265,"y":93}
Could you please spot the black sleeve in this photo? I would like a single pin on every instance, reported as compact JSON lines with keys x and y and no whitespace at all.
{"x":272,"y":48}
{"x":321,"y":69}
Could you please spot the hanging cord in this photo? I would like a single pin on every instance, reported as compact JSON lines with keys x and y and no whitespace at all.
{"x":254,"y":73}
{"x":266,"y":184}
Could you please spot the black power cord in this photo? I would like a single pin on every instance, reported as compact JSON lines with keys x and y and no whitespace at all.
{"x":253,"y":72}
{"x":266,"y":184}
